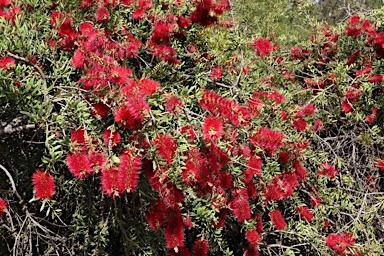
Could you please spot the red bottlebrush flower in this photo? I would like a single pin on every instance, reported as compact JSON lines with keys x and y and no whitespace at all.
{"x":183,"y":22}
{"x":86,"y":28}
{"x":124,"y":117}
{"x":138,"y":107}
{"x":100,"y":109}
{"x":339,"y":242}
{"x":315,"y":83}
{"x":326,"y":224}
{"x":291,"y":178}
{"x":79,"y":165}
{"x":253,"y":168}
{"x":156,"y":214}
{"x":139,"y":14}
{"x":240,"y":205}
{"x":200,"y":248}
{"x":376,"y":78}
{"x":218,"y":105}
{"x":328,"y":170}
{"x":309,"y":109}
{"x":305,"y":213}
{"x":97,"y":161}
{"x":283,"y":116}
{"x":44,"y":185}
{"x":7,"y":63}
{"x":300,"y":172}
{"x":145,"y":4}
{"x":346,"y":106}
{"x":192,"y":48}
{"x":166,"y":147}
{"x":212,"y":129}
{"x":66,"y":29}
{"x":254,"y":107}
{"x":253,"y":238}
{"x":366,"y":70}
{"x":78,"y":59}
{"x":276,"y":98}
{"x":216,"y":73}
{"x":317,"y":125}
{"x":202,"y":14}
{"x":111,"y":138}
{"x":78,"y":136}
{"x":259,"y":223}
{"x":351,"y":59}
{"x":102,"y":14}
{"x":263,"y":47}
{"x":372,"y":117}
{"x":353,"y":20}
{"x":110,"y":182}
{"x":174,"y":229}
{"x":277,"y":219}
{"x":353,"y":94}
{"x":127,"y":3}
{"x":120,"y":75}
{"x":380,"y":164}
{"x":352,"y":31}
{"x":284,"y":157}
{"x":250,"y":251}
{"x":5,"y":2}
{"x":128,"y":175}
{"x":315,"y":200}
{"x":267,"y":139}
{"x":251,"y":190}
{"x":188,"y":222}
{"x":148,"y":86}
{"x":173,"y":103}
{"x":298,"y":53}
{"x":299,"y":124}
{"x":3,"y":207}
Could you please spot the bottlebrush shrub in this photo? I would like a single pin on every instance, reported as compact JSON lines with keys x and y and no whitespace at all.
{"x":160,"y":144}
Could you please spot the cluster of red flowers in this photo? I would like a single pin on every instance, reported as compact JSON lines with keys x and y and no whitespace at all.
{"x":207,"y":11}
{"x":263,"y":47}
{"x":88,"y":159}
{"x":298,"y":53}
{"x":267,"y":139}
{"x":223,"y":107}
{"x":340,"y":242}
{"x":9,"y":10}
{"x":283,"y":185}
{"x":44,"y":185}
{"x":327,"y":170}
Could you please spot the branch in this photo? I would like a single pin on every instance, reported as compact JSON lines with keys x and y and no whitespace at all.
{"x":10,"y":178}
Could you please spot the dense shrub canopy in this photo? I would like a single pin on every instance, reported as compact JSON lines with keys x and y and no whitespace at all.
{"x":159,"y":127}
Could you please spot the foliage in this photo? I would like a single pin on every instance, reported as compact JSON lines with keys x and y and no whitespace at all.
{"x":160,"y":128}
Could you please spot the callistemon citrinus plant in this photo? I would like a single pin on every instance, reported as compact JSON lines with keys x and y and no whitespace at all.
{"x":168,"y":133}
